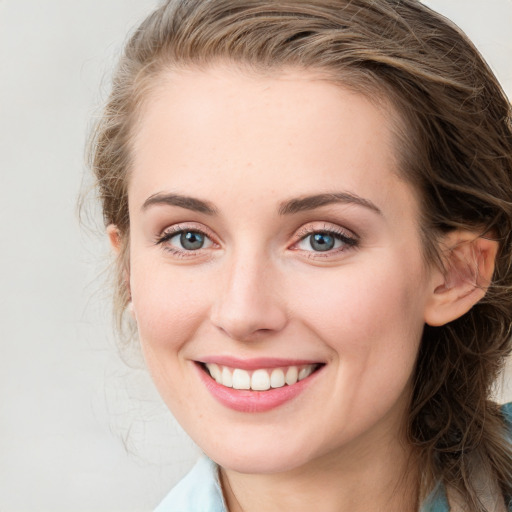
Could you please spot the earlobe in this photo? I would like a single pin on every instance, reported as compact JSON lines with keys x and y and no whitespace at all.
{"x":468,"y":261}
{"x":115,"y":237}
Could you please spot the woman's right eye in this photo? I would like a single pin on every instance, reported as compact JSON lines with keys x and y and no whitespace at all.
{"x":184,"y":240}
{"x":191,"y":240}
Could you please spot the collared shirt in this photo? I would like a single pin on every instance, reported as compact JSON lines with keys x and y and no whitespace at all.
{"x":200,"y":490}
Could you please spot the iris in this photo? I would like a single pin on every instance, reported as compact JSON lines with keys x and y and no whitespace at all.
{"x":191,"y":240}
{"x":322,"y":241}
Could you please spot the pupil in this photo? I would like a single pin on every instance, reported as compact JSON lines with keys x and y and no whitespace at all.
{"x":322,"y":242}
{"x":191,"y":241}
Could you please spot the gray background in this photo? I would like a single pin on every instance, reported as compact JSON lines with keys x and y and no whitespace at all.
{"x":80,"y":430}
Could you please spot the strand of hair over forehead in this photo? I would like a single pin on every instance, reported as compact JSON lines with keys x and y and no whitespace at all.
{"x":202,"y":31}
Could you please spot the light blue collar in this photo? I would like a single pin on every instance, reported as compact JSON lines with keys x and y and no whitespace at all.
{"x":199,"y":491}
{"x":436,"y":501}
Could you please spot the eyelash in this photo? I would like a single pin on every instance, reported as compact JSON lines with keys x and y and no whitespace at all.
{"x":348,"y":241}
{"x":174,"y":231}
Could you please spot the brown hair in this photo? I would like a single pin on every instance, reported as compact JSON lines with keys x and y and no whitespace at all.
{"x":455,"y":144}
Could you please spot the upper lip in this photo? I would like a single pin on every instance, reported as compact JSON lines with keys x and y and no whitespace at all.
{"x":255,"y":363}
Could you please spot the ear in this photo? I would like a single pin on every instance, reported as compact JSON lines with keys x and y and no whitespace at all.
{"x":116,"y":242}
{"x":115,"y":238}
{"x":468,"y":266}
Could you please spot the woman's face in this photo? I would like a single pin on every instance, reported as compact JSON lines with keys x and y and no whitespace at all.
{"x":271,"y":239}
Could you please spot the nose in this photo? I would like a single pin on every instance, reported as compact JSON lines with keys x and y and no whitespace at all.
{"x":249,"y":304}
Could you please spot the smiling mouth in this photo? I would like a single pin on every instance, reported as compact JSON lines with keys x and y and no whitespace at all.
{"x":261,"y":379}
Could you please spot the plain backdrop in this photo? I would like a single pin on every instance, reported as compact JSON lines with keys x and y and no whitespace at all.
{"x":79,"y":429}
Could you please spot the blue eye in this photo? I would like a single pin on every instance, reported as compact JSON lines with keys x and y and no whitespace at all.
{"x":322,"y":241}
{"x":325,"y":241}
{"x":192,"y":240}
{"x":184,"y":240}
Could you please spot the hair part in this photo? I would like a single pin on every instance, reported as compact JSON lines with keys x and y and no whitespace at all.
{"x":454,"y":145}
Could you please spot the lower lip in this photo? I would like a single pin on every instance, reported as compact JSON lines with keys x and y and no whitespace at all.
{"x":254,"y":401}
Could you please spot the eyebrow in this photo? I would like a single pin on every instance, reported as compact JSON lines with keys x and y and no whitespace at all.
{"x":190,"y":203}
{"x":302,"y":204}
{"x":289,"y":207}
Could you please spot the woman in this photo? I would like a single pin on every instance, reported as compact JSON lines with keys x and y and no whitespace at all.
{"x":311,"y":205}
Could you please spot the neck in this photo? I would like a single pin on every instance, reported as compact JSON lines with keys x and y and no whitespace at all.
{"x":358,"y":480}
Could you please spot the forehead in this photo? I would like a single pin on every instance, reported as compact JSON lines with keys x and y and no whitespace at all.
{"x":294,"y":132}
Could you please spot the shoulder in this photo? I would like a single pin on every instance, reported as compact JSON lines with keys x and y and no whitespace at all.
{"x":199,"y":491}
{"x":506,"y":411}
{"x":440,"y":499}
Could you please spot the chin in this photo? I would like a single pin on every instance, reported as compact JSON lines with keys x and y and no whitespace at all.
{"x":260,"y":459}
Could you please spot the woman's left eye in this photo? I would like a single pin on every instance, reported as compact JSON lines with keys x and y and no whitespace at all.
{"x":325,"y":241}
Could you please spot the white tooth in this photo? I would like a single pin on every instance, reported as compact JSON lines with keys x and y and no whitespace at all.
{"x":227,"y":378}
{"x":292,"y":375}
{"x":214,"y":371}
{"x":277,"y":378}
{"x":260,"y":380}
{"x":305,"y":372}
{"x":241,"y":379}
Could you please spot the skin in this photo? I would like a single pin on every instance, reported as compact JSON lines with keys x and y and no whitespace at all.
{"x":246,"y":145}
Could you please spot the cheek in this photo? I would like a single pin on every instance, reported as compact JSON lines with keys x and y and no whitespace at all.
{"x":372,"y":320}
{"x":367,"y":304}
{"x":169,"y":304}
{"x":373,"y":324}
